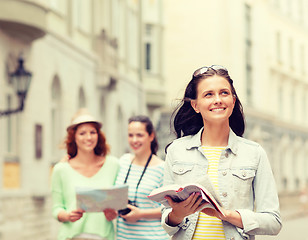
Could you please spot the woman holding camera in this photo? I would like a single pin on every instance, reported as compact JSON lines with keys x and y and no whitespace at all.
{"x":143,"y":172}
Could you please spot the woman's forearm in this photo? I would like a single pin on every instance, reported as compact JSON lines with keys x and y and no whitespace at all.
{"x":233,"y":217}
{"x":151,"y":213}
{"x":173,"y":220}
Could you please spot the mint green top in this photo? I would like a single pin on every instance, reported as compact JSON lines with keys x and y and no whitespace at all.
{"x":64,"y":181}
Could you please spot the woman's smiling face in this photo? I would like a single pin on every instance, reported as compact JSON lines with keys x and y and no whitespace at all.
{"x":138,"y":137}
{"x":86,"y":137}
{"x":215,"y":101}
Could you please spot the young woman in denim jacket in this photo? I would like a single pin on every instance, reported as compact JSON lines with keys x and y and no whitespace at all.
{"x":209,"y":124}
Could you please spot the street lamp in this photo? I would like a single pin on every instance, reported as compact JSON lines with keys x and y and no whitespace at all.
{"x":20,"y":80}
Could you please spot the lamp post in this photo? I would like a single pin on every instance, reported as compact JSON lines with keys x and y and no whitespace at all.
{"x":20,"y":80}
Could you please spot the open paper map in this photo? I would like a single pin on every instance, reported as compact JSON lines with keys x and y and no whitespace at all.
{"x":96,"y":200}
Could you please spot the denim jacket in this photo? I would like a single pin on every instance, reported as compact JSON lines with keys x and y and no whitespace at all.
{"x":246,"y":185}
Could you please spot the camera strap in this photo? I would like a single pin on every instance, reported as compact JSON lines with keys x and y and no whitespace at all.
{"x":144,"y":169}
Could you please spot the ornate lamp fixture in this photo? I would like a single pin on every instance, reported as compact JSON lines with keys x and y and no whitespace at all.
{"x":20,"y":80}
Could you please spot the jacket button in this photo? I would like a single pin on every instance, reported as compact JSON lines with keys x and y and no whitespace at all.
{"x":226,"y":154}
{"x":225,"y":194}
{"x":244,"y":174}
{"x":224,"y":173}
{"x":181,"y":170}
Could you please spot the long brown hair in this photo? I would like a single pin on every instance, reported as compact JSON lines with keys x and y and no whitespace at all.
{"x":187,"y":122}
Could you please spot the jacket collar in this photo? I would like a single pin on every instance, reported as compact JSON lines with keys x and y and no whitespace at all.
{"x":195,"y":141}
{"x":232,"y":142}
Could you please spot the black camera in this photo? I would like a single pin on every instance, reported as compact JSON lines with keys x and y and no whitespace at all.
{"x":127,"y":210}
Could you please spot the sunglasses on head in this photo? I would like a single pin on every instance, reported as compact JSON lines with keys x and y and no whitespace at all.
{"x":202,"y":70}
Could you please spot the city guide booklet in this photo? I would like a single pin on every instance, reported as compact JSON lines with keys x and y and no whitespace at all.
{"x":96,"y":200}
{"x":180,"y":193}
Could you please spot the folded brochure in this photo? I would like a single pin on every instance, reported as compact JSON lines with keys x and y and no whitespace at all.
{"x":96,"y":200}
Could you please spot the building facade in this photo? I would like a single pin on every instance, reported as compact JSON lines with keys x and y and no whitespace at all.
{"x":264,"y":45}
{"x":98,"y":54}
{"x":124,"y":57}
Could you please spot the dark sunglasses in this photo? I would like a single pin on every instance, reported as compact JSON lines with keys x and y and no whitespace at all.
{"x":202,"y":70}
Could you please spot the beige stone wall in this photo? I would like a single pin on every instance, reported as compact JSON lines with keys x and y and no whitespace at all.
{"x":25,"y":217}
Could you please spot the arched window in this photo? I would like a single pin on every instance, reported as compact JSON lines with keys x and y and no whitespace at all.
{"x":284,"y":166}
{"x":81,"y":10}
{"x":10,"y":132}
{"x":12,"y":121}
{"x":56,"y":118}
{"x":81,"y":98}
{"x":121,"y":133}
{"x":102,"y":110}
{"x":299,"y":163}
{"x":305,"y":165}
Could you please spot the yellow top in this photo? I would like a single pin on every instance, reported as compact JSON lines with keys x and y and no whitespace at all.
{"x":209,"y":227}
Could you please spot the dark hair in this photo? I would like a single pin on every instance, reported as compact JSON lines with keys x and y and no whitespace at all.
{"x":101,"y":149}
{"x":188,"y":122}
{"x":149,"y":128}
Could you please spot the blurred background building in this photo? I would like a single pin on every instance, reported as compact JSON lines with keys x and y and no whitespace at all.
{"x":80,"y":54}
{"x":264,"y":46}
{"x":124,"y":57}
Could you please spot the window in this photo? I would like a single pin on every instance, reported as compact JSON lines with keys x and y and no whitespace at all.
{"x":11,"y":129}
{"x":278,"y":47}
{"x":277,"y":4}
{"x":151,"y":47}
{"x":148,"y":56}
{"x":81,"y":99}
{"x":133,"y":53}
{"x":249,"y":84}
{"x":11,"y":165}
{"x":10,"y":169}
{"x":122,"y":30}
{"x":248,"y":54}
{"x":300,"y":8}
{"x":280,"y":101}
{"x":81,"y":15}
{"x":285,"y":183}
{"x":55,"y":4}
{"x":288,"y":7}
{"x":115,"y":17}
{"x":121,"y":132}
{"x":56,"y":127}
{"x":304,"y":100}
{"x":102,"y":109}
{"x":303,"y":59}
{"x":59,"y":6}
{"x":9,"y":126}
{"x":291,"y":53}
{"x":148,"y":30}
{"x":292,"y":105}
